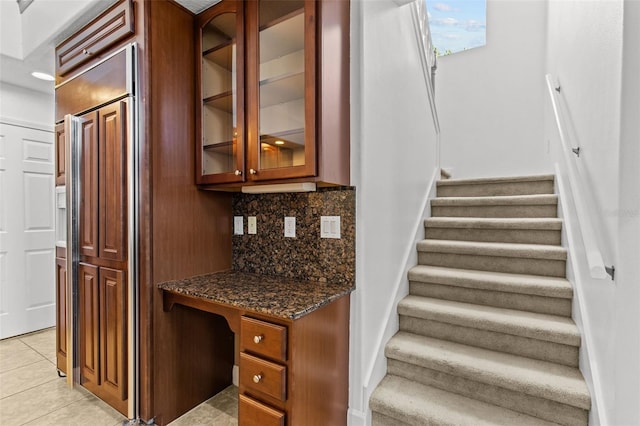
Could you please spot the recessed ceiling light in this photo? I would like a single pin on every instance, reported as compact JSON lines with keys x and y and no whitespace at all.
{"x":42,"y":76}
{"x":279,"y":142}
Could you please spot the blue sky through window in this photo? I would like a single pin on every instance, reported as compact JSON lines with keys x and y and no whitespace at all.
{"x":457,"y":24}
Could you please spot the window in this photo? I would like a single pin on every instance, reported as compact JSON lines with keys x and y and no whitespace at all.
{"x":457,"y":25}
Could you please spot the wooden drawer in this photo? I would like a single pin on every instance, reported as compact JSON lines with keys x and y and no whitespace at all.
{"x":263,"y":376}
{"x":263,"y":338}
{"x":113,"y":25}
{"x":254,"y":413}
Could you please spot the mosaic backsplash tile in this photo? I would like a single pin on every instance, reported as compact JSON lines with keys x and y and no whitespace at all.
{"x":307,"y":256}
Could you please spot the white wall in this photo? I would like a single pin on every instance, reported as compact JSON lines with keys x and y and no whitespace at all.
{"x":393,"y":162}
{"x":490,"y":98}
{"x":594,"y":52}
{"x":19,"y":104}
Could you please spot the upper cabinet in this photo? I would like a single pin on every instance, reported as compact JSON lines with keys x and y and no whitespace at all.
{"x":274,"y":82}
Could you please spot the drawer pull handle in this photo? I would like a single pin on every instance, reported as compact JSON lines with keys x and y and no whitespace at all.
{"x":86,"y":52}
{"x":257,"y":378}
{"x":258,"y":339}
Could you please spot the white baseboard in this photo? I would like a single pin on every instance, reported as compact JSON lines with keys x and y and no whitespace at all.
{"x":235,"y":375}
{"x":356,"y":418}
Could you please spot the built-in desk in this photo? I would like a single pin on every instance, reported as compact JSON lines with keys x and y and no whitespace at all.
{"x":293,"y":343}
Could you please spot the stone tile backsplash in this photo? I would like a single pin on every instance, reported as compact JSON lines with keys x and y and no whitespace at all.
{"x":307,"y":256}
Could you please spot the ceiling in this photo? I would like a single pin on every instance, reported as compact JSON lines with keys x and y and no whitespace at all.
{"x":16,"y":69}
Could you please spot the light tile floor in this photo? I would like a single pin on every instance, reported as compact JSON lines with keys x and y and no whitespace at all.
{"x":31,"y":393}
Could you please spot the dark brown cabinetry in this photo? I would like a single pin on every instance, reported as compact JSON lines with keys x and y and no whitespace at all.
{"x":286,"y":63}
{"x":61,"y":314}
{"x":102,"y":284}
{"x":112,"y":26}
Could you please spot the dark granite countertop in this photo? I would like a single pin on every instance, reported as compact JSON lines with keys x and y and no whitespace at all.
{"x":267,"y":294}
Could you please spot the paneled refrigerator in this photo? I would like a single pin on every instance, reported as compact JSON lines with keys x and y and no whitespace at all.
{"x":97,"y":167}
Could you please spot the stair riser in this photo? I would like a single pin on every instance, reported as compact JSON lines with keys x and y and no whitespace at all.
{"x":517,"y":401}
{"x":515,"y":265}
{"x":498,"y":299}
{"x":496,"y":189}
{"x":519,"y":236}
{"x":378,"y":419}
{"x":516,"y":211}
{"x":501,"y":342}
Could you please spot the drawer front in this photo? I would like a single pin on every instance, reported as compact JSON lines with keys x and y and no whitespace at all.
{"x":254,"y":413}
{"x":110,"y":27}
{"x":263,"y":376}
{"x":263,"y":338}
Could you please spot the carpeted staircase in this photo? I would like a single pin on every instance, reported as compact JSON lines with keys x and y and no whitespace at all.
{"x":486,"y":335}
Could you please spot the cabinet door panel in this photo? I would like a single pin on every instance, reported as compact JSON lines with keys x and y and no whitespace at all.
{"x":112,"y":202}
{"x":281,"y":84}
{"x":88,"y":311}
{"x":220,"y":130}
{"x":61,"y":314}
{"x":89,"y":185}
{"x":113,"y":332}
{"x":60,"y":155}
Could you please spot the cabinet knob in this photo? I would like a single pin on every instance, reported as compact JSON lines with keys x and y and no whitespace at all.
{"x":86,"y":52}
{"x":238,"y":173}
{"x":258,"y":339}
{"x":253,"y":171}
{"x":257,"y":378}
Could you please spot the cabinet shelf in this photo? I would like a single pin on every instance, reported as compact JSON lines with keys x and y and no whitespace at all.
{"x":218,"y":147}
{"x":282,"y":88}
{"x":222,"y":101}
{"x":221,"y":54}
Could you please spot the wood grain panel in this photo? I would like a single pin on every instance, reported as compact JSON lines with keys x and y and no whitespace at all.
{"x":89,"y":324}
{"x":112,"y":187}
{"x":89,"y":188}
{"x":184,"y":231}
{"x":113,"y":336}
{"x":254,"y":413}
{"x":61,"y":314}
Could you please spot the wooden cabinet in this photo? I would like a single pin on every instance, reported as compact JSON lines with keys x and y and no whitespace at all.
{"x":295,"y":93}
{"x":61,"y":314}
{"x":295,"y":372}
{"x":112,"y":26}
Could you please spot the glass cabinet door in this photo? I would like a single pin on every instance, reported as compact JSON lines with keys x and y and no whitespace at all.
{"x":281,"y":62}
{"x":222,"y":93}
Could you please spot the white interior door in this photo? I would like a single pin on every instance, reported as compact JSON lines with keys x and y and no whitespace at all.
{"x":27,"y":234}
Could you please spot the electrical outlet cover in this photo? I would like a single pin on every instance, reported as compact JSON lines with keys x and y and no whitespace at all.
{"x":290,"y":227}
{"x":251,"y":225}
{"x":238,"y":225}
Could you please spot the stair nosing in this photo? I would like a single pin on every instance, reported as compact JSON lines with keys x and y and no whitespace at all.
{"x":499,"y":200}
{"x":494,"y":249}
{"x":544,"y":327}
{"x":516,"y":224}
{"x":494,"y":180}
{"x":492,"y":281}
{"x":517,"y":373}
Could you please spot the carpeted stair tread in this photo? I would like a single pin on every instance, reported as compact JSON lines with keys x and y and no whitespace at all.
{"x":495,"y":281}
{"x":494,"y":223}
{"x":533,"y":377}
{"x":527,"y":251}
{"x":548,"y":328}
{"x":417,"y":404}
{"x":491,"y":180}
{"x":496,"y":200}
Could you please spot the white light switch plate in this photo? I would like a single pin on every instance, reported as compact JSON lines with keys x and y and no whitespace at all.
{"x":329,"y":226}
{"x":251,"y":225}
{"x":290,"y":227}
{"x":238,"y":225}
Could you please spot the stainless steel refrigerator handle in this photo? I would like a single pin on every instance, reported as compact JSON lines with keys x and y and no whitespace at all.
{"x":73,"y":149}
